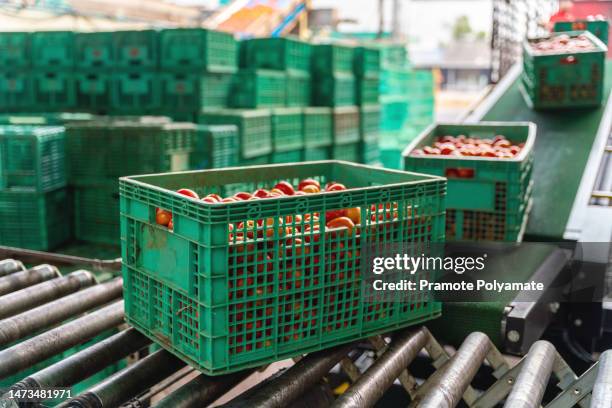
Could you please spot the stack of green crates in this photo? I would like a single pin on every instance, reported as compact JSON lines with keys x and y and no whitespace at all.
{"x":487,"y":199}
{"x":215,"y":146}
{"x":101,"y":151}
{"x":318,"y":130}
{"x":259,"y":88}
{"x":367,"y":73}
{"x":334,"y":81}
{"x":197,"y":69}
{"x":136,"y":89}
{"x":33,"y":195}
{"x":254,"y":131}
{"x":95,"y":56}
{"x":369,"y":134}
{"x":346,"y":126}
{"x":15,"y":80}
{"x":287,"y":135}
{"x":557,"y":80}
{"x":288,"y":56}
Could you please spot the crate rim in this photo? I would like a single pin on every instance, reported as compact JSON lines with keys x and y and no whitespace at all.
{"x":135,"y":180}
{"x":601,"y":47}
{"x":527,"y":149}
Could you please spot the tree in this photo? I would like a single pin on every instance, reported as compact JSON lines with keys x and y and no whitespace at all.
{"x":461,"y":28}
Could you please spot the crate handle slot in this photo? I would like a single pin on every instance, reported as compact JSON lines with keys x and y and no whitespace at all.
{"x":578,"y":26}
{"x":569,"y":60}
{"x":460,"y":173}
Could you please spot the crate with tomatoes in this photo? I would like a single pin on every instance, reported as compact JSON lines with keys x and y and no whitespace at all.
{"x":563,"y":70}
{"x":489,"y":169}
{"x":235,"y":268}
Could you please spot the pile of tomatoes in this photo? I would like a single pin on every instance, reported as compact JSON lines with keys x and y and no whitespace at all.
{"x":464,"y":146}
{"x":563,"y":43}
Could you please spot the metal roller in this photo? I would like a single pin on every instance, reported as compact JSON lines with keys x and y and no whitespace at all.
{"x":31,"y":321}
{"x":449,"y":383}
{"x":61,"y":338}
{"x":129,"y":382}
{"x":602,"y":389}
{"x":202,"y":390}
{"x":294,"y":382}
{"x":8,"y":266}
{"x":87,"y":362}
{"x":23,"y":279}
{"x":532,"y":380}
{"x":33,"y":296}
{"x":371,"y":386}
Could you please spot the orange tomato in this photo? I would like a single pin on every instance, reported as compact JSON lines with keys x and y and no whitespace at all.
{"x":163,"y":217}
{"x":342,"y":222}
{"x":335,"y":187}
{"x":189,"y":193}
{"x":354,"y":214}
{"x":309,"y":182}
{"x":310,"y":189}
{"x":285,"y":187}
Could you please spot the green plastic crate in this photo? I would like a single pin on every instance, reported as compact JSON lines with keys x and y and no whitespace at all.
{"x":256,"y":161}
{"x":39,"y":119}
{"x":254,"y":128}
{"x":278,"y":53}
{"x":396,"y":81}
{"x":53,"y":49}
{"x":369,"y":152}
{"x":95,"y":50}
{"x":96,"y":213}
{"x":318,"y":127}
{"x":287,"y":129}
{"x":215,"y":147}
{"x":136,"y":49}
{"x":349,"y":152}
{"x":289,"y":156}
{"x":39,"y":221}
{"x":197,"y":48}
{"x":346,"y":124}
{"x":394,"y":113}
{"x":299,"y":91}
{"x":367,"y":62}
{"x":329,"y":59}
{"x":15,"y":50}
{"x":599,"y":28}
{"x":369,"y":123}
{"x":367,"y":91}
{"x":259,"y":89}
{"x":334,"y":90}
{"x":392,"y":54}
{"x":561,"y":80}
{"x":497,"y":188}
{"x":93,"y":90}
{"x":136,"y":93}
{"x":113,"y":147}
{"x":32,"y":158}
{"x":15,"y":91}
{"x":54,"y":91}
{"x":317,"y":153}
{"x":195,"y":292}
{"x":184,"y":92}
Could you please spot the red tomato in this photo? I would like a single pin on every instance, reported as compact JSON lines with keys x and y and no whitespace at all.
{"x":309,"y":189}
{"x":189,"y":193}
{"x":309,"y":182}
{"x":330,"y":215}
{"x":300,"y":193}
{"x":229,"y":200}
{"x":171,"y":224}
{"x":335,"y":187}
{"x":210,"y":200}
{"x":354,"y":214}
{"x":285,"y":187}
{"x":277,"y":191}
{"x":243,"y":195}
{"x":261,"y":193}
{"x":342,"y":222}
{"x":163,"y":217}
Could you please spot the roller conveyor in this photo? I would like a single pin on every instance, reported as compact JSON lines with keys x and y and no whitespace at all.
{"x":159,"y":379}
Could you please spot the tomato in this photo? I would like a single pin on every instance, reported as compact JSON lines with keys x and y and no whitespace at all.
{"x":171,"y":224}
{"x":189,"y":193}
{"x":335,"y":187}
{"x":163,"y":217}
{"x":300,"y":193}
{"x":276,"y":191}
{"x":210,"y":200}
{"x":431,"y":150}
{"x":243,"y":195}
{"x":354,"y":214}
{"x":330,"y":215}
{"x":310,"y":189}
{"x":447,"y":149}
{"x":285,"y":187}
{"x":229,"y":200}
{"x":342,"y":222}
{"x":309,"y":182}
{"x":261,"y":193}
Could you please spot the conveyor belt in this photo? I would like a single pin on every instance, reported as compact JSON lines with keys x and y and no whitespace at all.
{"x":161,"y":380}
{"x":562,"y":149}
